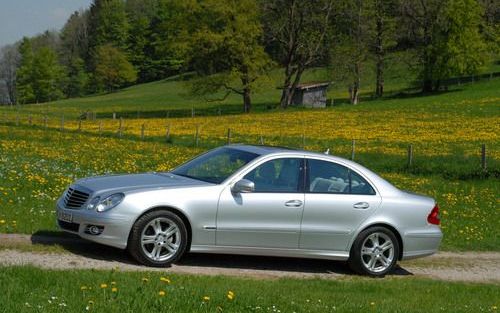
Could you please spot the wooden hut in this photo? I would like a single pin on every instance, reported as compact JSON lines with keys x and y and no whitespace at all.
{"x":311,"y":95}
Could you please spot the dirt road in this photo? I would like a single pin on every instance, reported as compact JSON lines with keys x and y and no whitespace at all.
{"x":78,"y":254}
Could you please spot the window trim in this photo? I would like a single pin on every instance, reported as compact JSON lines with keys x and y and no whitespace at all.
{"x":307,"y":180}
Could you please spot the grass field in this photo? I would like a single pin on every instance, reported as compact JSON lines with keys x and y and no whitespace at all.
{"x":25,"y":289}
{"x":37,"y":164}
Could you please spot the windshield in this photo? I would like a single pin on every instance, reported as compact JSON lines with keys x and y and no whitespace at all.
{"x":216,"y":165}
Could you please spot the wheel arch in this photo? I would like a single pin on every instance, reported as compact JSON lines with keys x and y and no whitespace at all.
{"x":174,"y":210}
{"x":389,"y":227}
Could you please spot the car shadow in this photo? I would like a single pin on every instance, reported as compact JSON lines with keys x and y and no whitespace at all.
{"x":88,"y":249}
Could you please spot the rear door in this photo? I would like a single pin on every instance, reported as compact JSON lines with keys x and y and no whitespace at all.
{"x":337,"y":201}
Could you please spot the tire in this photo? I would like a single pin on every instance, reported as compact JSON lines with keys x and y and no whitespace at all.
{"x":374,"y":252}
{"x":158,"y":238}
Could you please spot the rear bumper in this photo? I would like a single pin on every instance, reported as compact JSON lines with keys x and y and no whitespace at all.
{"x":420,"y":244}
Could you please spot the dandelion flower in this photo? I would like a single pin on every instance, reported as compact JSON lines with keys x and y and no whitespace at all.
{"x":206,"y":298}
{"x":230,"y":295}
{"x":113,"y":283}
{"x":145,"y":280}
{"x":161,"y":293}
{"x":372,"y":303}
{"x":2,"y":221}
{"x":114,"y":289}
{"x":165,"y":280}
{"x":83,"y":288}
{"x":103,"y":286}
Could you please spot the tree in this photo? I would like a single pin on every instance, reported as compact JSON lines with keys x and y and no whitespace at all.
{"x":226,"y":48}
{"x":74,"y":37}
{"x":298,"y":29}
{"x":381,"y":37}
{"x":24,"y":81}
{"x":446,"y":38}
{"x":113,"y":70}
{"x":9,"y":62}
{"x":77,"y":78}
{"x":107,"y":25}
{"x":47,"y":76}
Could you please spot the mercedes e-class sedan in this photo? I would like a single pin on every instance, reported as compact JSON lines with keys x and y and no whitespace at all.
{"x":255,"y":200}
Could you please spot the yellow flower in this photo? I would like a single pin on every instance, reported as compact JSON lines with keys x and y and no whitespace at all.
{"x":103,"y":286}
{"x":114,"y":289}
{"x":372,"y":303}
{"x":91,"y":302}
{"x":83,"y":288}
{"x":161,"y":293}
{"x":113,"y":283}
{"x":206,"y":298}
{"x":165,"y":280}
{"x":2,"y":221}
{"x":230,"y":295}
{"x":145,"y":280}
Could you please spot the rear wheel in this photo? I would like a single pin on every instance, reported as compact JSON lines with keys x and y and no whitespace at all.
{"x":158,"y":238}
{"x":374,"y":252}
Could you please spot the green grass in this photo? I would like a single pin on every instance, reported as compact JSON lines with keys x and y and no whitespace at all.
{"x":26,"y":289}
{"x":172,"y":94}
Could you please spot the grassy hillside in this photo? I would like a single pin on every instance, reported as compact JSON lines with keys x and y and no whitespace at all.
{"x":173,"y":94}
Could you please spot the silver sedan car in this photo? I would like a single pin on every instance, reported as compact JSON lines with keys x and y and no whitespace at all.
{"x":255,"y":200}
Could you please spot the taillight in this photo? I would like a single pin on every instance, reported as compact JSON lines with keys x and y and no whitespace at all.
{"x":433,"y":217}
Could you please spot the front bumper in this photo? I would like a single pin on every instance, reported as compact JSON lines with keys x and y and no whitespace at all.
{"x":115,"y":228}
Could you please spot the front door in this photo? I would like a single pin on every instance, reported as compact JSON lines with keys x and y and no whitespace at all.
{"x":270,"y":216}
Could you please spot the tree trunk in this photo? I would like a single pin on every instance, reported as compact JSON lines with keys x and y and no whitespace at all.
{"x":247,"y":101}
{"x":354,"y":88}
{"x":380,"y":54}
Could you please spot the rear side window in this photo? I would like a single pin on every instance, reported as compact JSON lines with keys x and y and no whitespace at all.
{"x":330,"y":177}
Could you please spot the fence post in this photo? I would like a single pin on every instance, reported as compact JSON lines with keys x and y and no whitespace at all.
{"x":30,"y":120}
{"x":303,"y":141}
{"x":167,"y":135}
{"x":120,"y":128}
{"x":261,"y":140}
{"x":353,"y":147}
{"x":62,"y":123}
{"x":483,"y":157}
{"x":192,"y":112}
{"x":196,"y":136}
{"x":45,"y":122}
{"x":17,"y":119}
{"x":79,"y":125}
{"x":114,"y":115}
{"x":100,"y":128}
{"x":142,"y":131}
{"x":410,"y":155}
{"x":229,"y":136}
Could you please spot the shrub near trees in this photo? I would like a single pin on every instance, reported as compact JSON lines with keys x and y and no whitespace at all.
{"x":231,"y":45}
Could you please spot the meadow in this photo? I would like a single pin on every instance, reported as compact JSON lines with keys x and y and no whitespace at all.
{"x":25,"y":290}
{"x":446,"y":130}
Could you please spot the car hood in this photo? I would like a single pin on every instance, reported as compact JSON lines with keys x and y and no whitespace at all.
{"x":123,"y":183}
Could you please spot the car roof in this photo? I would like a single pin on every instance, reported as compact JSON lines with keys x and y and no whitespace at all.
{"x":265,"y":150}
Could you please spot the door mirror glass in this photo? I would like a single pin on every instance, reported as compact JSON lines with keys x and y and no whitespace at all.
{"x":243,"y":186}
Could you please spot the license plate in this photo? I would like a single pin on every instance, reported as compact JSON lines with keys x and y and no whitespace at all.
{"x":65,"y":217}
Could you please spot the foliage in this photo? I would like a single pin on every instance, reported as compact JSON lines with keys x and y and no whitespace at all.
{"x":228,"y":44}
{"x":24,"y":83}
{"x":112,"y":68}
{"x":77,"y":78}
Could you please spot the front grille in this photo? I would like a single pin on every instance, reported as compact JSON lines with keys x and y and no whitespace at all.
{"x":69,"y":226}
{"x":74,"y":199}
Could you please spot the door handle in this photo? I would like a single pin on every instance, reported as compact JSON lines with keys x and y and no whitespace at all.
{"x":361,"y":205}
{"x":293,"y":203}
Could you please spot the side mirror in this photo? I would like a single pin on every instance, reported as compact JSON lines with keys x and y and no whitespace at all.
{"x":243,"y":186}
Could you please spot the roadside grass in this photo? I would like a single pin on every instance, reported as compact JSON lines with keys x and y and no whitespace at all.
{"x":25,"y":289}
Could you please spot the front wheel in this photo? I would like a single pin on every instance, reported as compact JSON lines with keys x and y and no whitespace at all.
{"x":158,"y":238}
{"x":374,"y":252}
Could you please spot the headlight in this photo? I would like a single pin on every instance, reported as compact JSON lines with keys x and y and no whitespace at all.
{"x":105,"y":204}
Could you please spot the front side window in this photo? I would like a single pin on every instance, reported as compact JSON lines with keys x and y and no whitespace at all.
{"x":216,"y":165}
{"x":329,"y":177}
{"x":279,"y":175}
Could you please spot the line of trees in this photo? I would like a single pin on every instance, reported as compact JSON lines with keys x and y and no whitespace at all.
{"x":232,"y":45}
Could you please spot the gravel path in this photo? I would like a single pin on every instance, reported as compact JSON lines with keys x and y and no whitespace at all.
{"x":78,"y":254}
